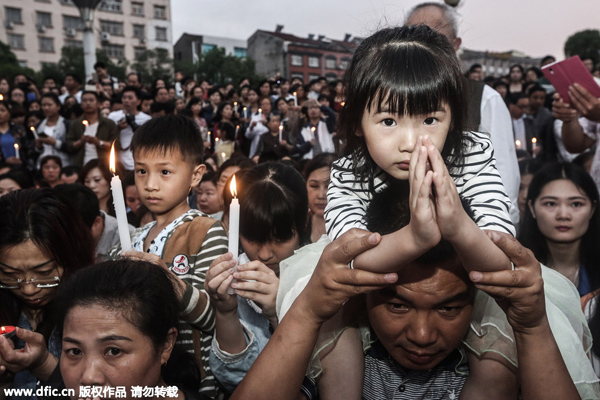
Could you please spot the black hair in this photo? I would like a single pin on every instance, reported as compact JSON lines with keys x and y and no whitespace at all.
{"x":83,"y":199}
{"x":323,"y":97}
{"x":535,"y":88}
{"x":209,"y":176}
{"x":136,"y":90}
{"x":53,"y":97}
{"x":92,"y":92}
{"x":139,"y":76}
{"x":274,"y":204}
{"x":143,"y":294}
{"x":531,"y":236}
{"x":75,"y":77}
{"x":499,"y":83}
{"x":170,"y":133}
{"x":71,"y":170}
{"x":475,"y":66}
{"x":515,"y":97}
{"x":51,"y":157}
{"x":410,"y":71}
{"x":317,"y":162}
{"x":229,"y":130}
{"x":538,"y":72}
{"x":45,"y":217}
{"x":20,"y":176}
{"x":100,"y":64}
{"x":546,"y":59}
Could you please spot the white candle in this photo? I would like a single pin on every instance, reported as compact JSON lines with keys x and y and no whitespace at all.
{"x":17,"y":151}
{"x":244,"y":112}
{"x":313,"y":130}
{"x":234,"y":227}
{"x":235,"y":107}
{"x":223,"y":156}
{"x":280,"y":132}
{"x":34,"y":132}
{"x":518,"y":144}
{"x":237,"y":128}
{"x":533,"y":146}
{"x":295,"y":99}
{"x":119,"y":201}
{"x":260,"y":112}
{"x":85,"y":123}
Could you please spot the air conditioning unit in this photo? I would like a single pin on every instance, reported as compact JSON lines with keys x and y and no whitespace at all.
{"x":105,"y":37}
{"x":70,"y":32}
{"x":41,"y":28}
{"x":9,"y":25}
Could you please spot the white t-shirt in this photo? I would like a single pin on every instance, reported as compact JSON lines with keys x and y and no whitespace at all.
{"x":91,"y":152}
{"x":125,"y":155}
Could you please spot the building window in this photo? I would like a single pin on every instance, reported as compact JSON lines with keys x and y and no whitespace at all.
{"x":312,"y":77}
{"x":207,"y":47}
{"x":138,"y":51}
{"x":137,"y":9}
{"x":161,"y":34}
{"x":313,"y":62}
{"x":297,"y":60}
{"x":330,"y":62}
{"x":139,"y":31}
{"x":297,"y":75}
{"x":114,"y":50}
{"x":344,"y":63}
{"x":66,"y":2}
{"x":114,"y":28}
{"x":74,"y":43}
{"x":16,"y":42}
{"x":13,"y":15}
{"x":160,"y":12}
{"x":239,"y":52}
{"x":44,"y":19}
{"x":70,"y":22}
{"x":112,"y":5}
{"x":46,"y":45}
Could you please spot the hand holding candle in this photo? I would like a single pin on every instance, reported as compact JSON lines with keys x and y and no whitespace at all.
{"x":8,"y":331}
{"x":17,"y":154}
{"x":119,"y":200}
{"x":235,"y":107}
{"x":295,"y":99}
{"x":280,"y":133}
{"x":534,"y":146}
{"x":234,"y":227}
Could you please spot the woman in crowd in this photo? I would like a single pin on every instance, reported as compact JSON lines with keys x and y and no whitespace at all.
{"x":51,"y":168}
{"x":215,"y":98}
{"x":17,"y":97}
{"x":16,"y":179}
{"x":52,"y":131}
{"x":194,"y":110}
{"x":42,"y":243}
{"x":119,"y":326}
{"x":10,"y":135}
{"x":225,"y":114}
{"x":4,"y":88}
{"x":316,"y":174}
{"x":515,"y":79}
{"x":532,"y":74}
{"x":96,"y":175}
{"x":562,"y":223}
{"x":300,"y":93}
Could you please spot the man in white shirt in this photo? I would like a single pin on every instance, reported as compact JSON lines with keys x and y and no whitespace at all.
{"x":128,"y":120}
{"x":494,"y":116}
{"x":73,"y":85}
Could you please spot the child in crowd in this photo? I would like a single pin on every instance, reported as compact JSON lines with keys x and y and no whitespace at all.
{"x":270,"y":145}
{"x":273,"y":224}
{"x":225,"y":146}
{"x":180,"y":239}
{"x":403,"y":121}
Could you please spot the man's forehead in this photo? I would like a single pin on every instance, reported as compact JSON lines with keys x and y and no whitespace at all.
{"x":432,"y":17}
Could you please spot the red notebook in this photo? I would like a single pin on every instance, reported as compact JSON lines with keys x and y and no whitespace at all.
{"x":565,"y":73}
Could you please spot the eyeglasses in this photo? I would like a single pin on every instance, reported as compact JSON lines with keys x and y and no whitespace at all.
{"x":9,"y":282}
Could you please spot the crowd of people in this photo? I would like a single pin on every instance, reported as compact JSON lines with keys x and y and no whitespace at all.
{"x":409,"y":232}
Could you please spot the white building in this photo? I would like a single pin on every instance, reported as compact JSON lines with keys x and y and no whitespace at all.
{"x":36,"y":30}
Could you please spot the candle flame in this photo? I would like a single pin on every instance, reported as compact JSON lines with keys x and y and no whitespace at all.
{"x":237,"y":127}
{"x":216,"y":139}
{"x":280,"y":127}
{"x":1,"y":98}
{"x":235,"y":103}
{"x":233,"y":187}
{"x":343,"y":103}
{"x":85,"y":122}
{"x":260,"y":110}
{"x":534,"y":140}
{"x":223,"y":156}
{"x":112,"y":159}
{"x":16,"y":146}
{"x":294,"y":94}
{"x":518,"y":142}
{"x":244,"y":108}
{"x":209,"y":133}
{"x":313,"y":129}
{"x":32,"y":129}
{"x":3,"y":328}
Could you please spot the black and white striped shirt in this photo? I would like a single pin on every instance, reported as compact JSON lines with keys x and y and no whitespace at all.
{"x":478,"y":182}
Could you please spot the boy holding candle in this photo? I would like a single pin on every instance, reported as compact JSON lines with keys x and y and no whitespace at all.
{"x":271,"y":145}
{"x":182,"y":240}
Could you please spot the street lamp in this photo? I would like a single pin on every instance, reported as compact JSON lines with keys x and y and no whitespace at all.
{"x":86,"y":9}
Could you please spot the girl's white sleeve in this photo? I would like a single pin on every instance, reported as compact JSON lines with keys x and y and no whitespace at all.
{"x":347,"y":200}
{"x":481,"y":185}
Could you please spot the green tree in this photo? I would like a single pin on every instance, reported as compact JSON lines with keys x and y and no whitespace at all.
{"x":9,"y":64}
{"x":154,"y":64}
{"x":585,"y":43}
{"x":220,"y":68}
{"x":71,"y":62}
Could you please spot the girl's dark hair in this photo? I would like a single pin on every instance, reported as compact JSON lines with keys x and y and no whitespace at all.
{"x":143,"y":294}
{"x":408,"y":71}
{"x":47,"y":219}
{"x":538,"y":72}
{"x":517,"y":66}
{"x":317,"y":162}
{"x":193,"y":100}
{"x":530,"y":235}
{"x":174,"y":133}
{"x":219,"y":115}
{"x":274,"y":204}
{"x":21,"y":176}
{"x":52,"y":96}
